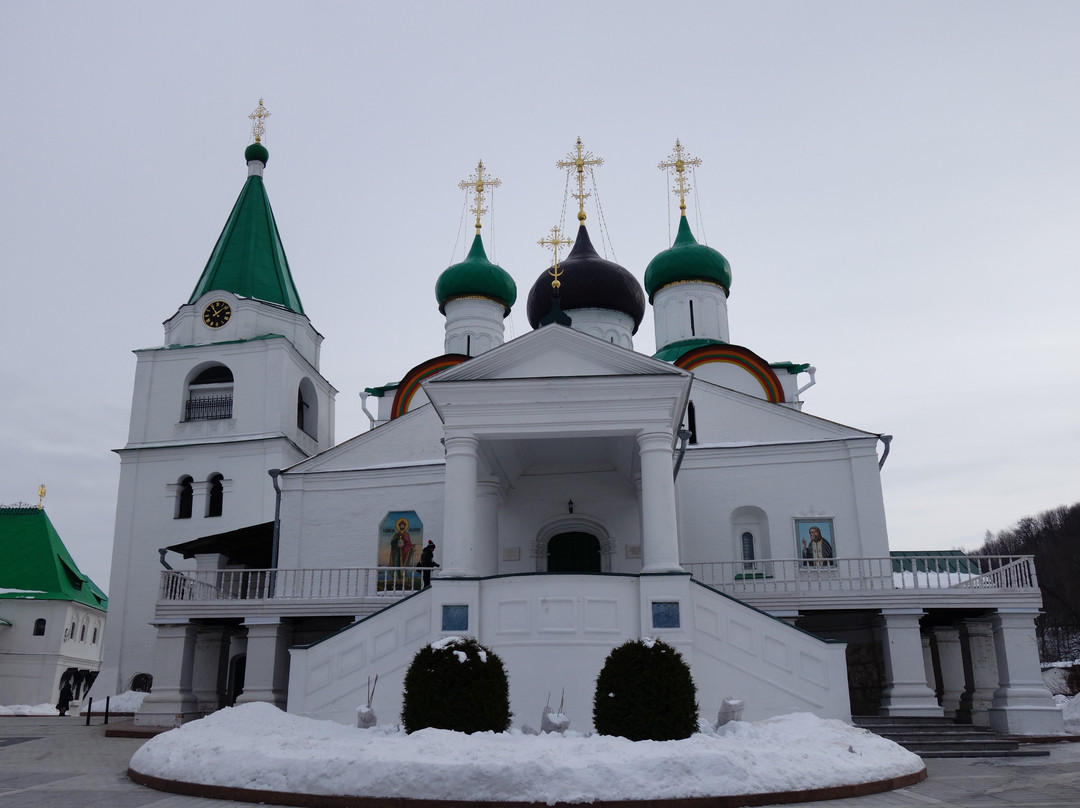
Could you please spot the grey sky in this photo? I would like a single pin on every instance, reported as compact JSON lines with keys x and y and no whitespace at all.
{"x":896,"y":185}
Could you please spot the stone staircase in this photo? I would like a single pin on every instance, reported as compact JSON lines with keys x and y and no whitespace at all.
{"x":944,"y":738}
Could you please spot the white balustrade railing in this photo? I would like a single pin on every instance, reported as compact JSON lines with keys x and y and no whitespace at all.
{"x":866,"y":574}
{"x":781,"y":575}
{"x":302,"y":584}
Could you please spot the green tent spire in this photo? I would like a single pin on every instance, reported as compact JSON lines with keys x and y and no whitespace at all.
{"x":248,"y":259}
{"x":37,"y":565}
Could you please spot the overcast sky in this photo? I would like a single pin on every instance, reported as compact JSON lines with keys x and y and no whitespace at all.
{"x":896,"y":185}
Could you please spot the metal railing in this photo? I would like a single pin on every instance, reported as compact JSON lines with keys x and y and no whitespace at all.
{"x":774,"y":576}
{"x":208,"y":408}
{"x":789,"y":575}
{"x":297,"y":584}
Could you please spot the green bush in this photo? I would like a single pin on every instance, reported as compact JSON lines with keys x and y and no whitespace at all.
{"x":645,"y":693}
{"x":456,"y":683}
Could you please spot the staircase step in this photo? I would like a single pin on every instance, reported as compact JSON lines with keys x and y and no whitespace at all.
{"x":943,"y":738}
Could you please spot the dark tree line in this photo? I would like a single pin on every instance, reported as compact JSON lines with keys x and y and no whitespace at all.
{"x":1053,"y":537}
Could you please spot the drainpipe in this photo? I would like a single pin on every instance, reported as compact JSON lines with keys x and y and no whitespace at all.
{"x":274,"y":474}
{"x":813,"y":372}
{"x":363,"y":405}
{"x":684,"y":438}
{"x":887,"y":440}
{"x":161,"y":553}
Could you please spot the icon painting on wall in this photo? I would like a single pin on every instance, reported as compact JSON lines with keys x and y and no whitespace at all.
{"x":401,"y":538}
{"x":814,"y":542}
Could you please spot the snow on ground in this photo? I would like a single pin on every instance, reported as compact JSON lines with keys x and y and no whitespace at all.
{"x":258,"y":746}
{"x":29,"y":709}
{"x":127,"y":702}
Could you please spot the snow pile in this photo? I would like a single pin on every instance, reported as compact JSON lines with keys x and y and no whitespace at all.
{"x":127,"y":702}
{"x":29,"y":709}
{"x":1071,"y":714}
{"x":259,"y":747}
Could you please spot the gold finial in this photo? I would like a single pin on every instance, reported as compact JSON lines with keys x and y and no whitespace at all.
{"x":258,"y":121}
{"x":579,"y":158}
{"x":480,"y":185}
{"x":679,"y":161}
{"x":41,"y":496}
{"x":555,"y":242}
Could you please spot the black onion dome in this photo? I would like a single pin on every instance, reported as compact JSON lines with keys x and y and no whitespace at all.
{"x":588,"y":282}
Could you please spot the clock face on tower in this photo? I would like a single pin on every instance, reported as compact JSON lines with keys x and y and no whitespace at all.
{"x":216,"y":314}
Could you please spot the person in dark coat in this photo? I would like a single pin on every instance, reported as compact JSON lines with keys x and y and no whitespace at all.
{"x":427,"y":561}
{"x":65,"y":698}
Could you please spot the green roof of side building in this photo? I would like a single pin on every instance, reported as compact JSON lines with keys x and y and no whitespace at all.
{"x":36,"y":563}
{"x":476,"y":276}
{"x":686,"y":260}
{"x":248,"y":259}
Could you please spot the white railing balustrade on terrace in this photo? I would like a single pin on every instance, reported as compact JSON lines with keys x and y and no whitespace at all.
{"x":795,"y":575}
{"x":293,"y":584}
{"x":772,"y":576}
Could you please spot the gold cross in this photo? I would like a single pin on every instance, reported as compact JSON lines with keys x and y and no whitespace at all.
{"x":479,"y":184}
{"x":555,"y":242}
{"x":258,"y":118}
{"x":679,"y":161}
{"x":579,"y":158}
{"x":41,"y":496}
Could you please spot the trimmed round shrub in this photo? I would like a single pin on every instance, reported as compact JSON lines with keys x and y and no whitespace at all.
{"x":456,"y":683}
{"x":645,"y":693}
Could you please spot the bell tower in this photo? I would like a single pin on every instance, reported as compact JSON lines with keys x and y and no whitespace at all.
{"x":233,"y":391}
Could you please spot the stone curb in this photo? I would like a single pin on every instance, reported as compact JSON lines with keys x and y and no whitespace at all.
{"x":337,"y":801}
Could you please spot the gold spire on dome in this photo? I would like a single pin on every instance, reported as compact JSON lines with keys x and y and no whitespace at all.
{"x":579,"y":158}
{"x":679,"y":161}
{"x":258,"y":121}
{"x":555,"y":242}
{"x":41,"y":496}
{"x":480,"y":184}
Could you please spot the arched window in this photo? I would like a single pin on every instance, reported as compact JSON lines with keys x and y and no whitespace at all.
{"x":93,"y":640}
{"x":216,"y":498}
{"x":307,"y":408}
{"x":141,"y":682}
{"x":185,"y":495}
{"x":748,"y":550}
{"x":209,"y":394}
{"x":82,"y":633}
{"x":39,"y":627}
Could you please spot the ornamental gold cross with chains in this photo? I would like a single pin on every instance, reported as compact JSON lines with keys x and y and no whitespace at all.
{"x":579,"y":158}
{"x":258,"y":119}
{"x":480,"y":184}
{"x":555,"y":242}
{"x":679,"y":161}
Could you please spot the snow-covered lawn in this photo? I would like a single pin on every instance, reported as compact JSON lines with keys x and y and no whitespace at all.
{"x":260,"y":747}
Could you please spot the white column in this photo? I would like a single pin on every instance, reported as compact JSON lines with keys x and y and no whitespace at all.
{"x":210,"y":668}
{"x":906,"y":690}
{"x":1021,"y":705}
{"x":459,"y":522}
{"x":660,"y":527}
{"x":266,"y":675}
{"x":980,"y":671}
{"x":171,"y":701}
{"x":950,"y":667}
{"x":487,"y":526}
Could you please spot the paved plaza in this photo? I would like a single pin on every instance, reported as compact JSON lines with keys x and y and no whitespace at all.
{"x":48,"y":762}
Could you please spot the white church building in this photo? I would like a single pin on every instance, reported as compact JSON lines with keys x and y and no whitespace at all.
{"x":579,"y":490}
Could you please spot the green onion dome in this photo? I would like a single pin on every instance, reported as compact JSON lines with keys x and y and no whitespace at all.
{"x":476,"y":276}
{"x":256,"y":151}
{"x":686,"y":260}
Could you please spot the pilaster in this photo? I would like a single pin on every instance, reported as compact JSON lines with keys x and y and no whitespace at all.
{"x":171,"y":701}
{"x":266,"y":676}
{"x":980,"y":671}
{"x":1021,"y":704}
{"x":949,"y":665}
{"x":906,"y":689}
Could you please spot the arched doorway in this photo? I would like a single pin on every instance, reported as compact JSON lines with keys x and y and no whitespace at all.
{"x":575,"y":551}
{"x":235,"y":681}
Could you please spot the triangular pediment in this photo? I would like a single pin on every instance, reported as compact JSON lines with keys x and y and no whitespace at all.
{"x":555,"y":351}
{"x":411,"y":439}
{"x":728,"y":417}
